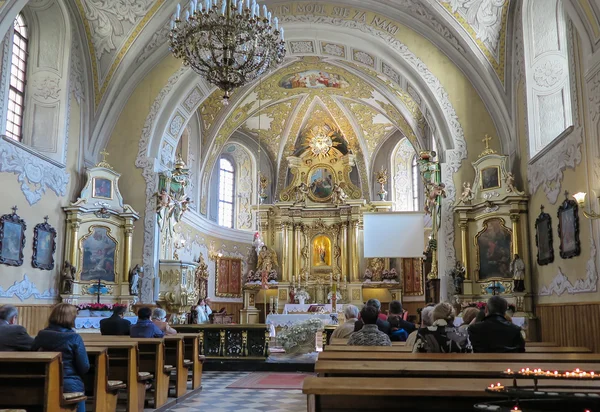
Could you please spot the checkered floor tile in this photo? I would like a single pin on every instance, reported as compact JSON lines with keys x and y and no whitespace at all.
{"x":216,"y":397}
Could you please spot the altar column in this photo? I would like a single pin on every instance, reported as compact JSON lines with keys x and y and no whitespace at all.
{"x":464,"y":243}
{"x":514,"y":217}
{"x":354,"y":260}
{"x":344,"y":250}
{"x":297,"y":249}
{"x":285,"y":269}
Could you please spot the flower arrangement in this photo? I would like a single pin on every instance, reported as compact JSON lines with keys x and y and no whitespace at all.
{"x":300,"y":336}
{"x":338,"y":295}
{"x":98,"y":306}
{"x":302,"y":294}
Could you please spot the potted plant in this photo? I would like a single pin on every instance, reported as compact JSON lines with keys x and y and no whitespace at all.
{"x":302,"y":296}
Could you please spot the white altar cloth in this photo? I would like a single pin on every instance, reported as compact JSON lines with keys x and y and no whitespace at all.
{"x":82,"y":322}
{"x":296,"y":307}
{"x":278,"y":321}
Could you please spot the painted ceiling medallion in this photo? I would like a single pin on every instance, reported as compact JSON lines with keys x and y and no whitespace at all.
{"x":320,"y":141}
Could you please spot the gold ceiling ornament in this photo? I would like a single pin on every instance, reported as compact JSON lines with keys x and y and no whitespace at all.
{"x":320,"y":141}
{"x":487,"y":150}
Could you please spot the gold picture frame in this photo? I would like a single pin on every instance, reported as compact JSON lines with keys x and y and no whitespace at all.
{"x":327,"y":187}
{"x":489,"y":181}
{"x":99,"y":190}
{"x":115,"y":263}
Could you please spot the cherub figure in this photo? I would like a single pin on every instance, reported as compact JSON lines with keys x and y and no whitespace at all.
{"x":301,"y":192}
{"x":467,"y":194}
{"x":368,"y":277}
{"x":338,"y":196}
{"x":510,"y":183}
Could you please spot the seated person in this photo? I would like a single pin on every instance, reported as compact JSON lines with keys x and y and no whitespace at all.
{"x":159,"y":318}
{"x":13,"y":337}
{"x":144,"y":328}
{"x":397,"y":334}
{"x":369,"y":334}
{"x":426,"y":320}
{"x":442,"y":336}
{"x":396,"y":310}
{"x":382,"y":322}
{"x":468,"y":317}
{"x":345,"y":330}
{"x":59,"y":336}
{"x":115,"y":325}
{"x":495,"y":334}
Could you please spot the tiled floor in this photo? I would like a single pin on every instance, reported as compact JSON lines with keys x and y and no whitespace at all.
{"x":216,"y":397}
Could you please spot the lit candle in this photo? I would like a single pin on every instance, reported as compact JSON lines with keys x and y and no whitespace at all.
{"x":240,"y":6}
{"x":276,"y":21}
{"x":508,"y":371}
{"x":178,"y":11}
{"x":173,"y":23}
{"x":265,"y":12}
{"x":281,"y":34}
{"x":193,"y":6}
{"x":247,"y":4}
{"x":223,"y":7}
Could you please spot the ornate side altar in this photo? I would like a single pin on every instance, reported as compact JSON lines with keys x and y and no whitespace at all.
{"x":492,"y":216}
{"x":98,"y":242}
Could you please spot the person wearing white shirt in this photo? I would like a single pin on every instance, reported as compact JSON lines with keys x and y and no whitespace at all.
{"x":203,"y":311}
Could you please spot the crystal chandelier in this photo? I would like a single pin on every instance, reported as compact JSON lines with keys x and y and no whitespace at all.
{"x":229,"y":43}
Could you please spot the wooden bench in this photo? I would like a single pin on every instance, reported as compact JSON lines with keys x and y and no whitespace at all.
{"x":174,"y":356}
{"x":440,"y":369}
{"x":535,"y":349}
{"x":34,"y":381}
{"x":521,"y":358}
{"x":124,"y":366}
{"x":410,"y":394}
{"x":102,"y":393}
{"x":151,"y":360}
{"x":191,"y":346}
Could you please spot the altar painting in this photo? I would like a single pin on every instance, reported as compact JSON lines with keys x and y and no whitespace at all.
{"x":321,"y":183}
{"x":313,"y":79}
{"x":321,"y":251}
{"x":493,"y":247}
{"x":98,"y":250}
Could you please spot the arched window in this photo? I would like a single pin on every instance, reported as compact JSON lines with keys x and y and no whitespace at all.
{"x":226,"y":191}
{"x":415,"y":184}
{"x":18,"y":71}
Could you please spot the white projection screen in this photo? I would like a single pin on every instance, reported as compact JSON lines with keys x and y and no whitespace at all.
{"x":393,"y":235}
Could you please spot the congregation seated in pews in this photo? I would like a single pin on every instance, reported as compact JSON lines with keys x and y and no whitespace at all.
{"x":489,"y":331}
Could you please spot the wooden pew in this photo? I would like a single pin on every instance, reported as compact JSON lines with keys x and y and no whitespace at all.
{"x":191,"y":346}
{"x":344,"y":341}
{"x":101,"y":392}
{"x":409,"y":394}
{"x":151,"y":359}
{"x":34,"y":381}
{"x":521,"y":358}
{"x":540,"y":349}
{"x":123,"y":366}
{"x":174,"y":356}
{"x":441,"y":369}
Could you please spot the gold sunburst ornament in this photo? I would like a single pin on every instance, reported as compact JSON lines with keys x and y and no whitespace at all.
{"x":320,"y":141}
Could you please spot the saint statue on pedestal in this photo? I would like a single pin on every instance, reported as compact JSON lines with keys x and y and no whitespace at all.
{"x":267,"y":260}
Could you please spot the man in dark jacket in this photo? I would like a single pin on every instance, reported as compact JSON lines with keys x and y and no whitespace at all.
{"x":115,"y":325}
{"x":144,"y":328}
{"x":13,"y":337}
{"x":382,"y":325}
{"x":397,"y":311}
{"x":495,"y":334}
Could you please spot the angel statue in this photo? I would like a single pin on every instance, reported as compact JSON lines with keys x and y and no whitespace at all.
{"x":467,"y":194}
{"x":201,"y":277}
{"x":338,"y":196}
{"x":300,"y":193}
{"x":67,"y":278}
{"x":368,"y":277}
{"x":257,"y":243}
{"x":163,"y":205}
{"x":510,"y":183}
{"x":135,"y":275}
{"x":267,"y":260}
{"x":437,"y":189}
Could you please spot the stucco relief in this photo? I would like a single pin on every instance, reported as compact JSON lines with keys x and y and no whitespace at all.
{"x":302,"y":47}
{"x":549,"y":73}
{"x":25,"y":289}
{"x":333,"y":49}
{"x":176,"y":125}
{"x":364,"y":58}
{"x":403,"y":189}
{"x":243,"y":185}
{"x":192,"y":100}
{"x":156,"y":41}
{"x":46,"y":88}
{"x":76,"y":82}
{"x":34,"y":174}
{"x":107,"y":19}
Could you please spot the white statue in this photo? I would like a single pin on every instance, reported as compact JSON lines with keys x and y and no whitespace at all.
{"x":467,"y":194}
{"x":517,"y":269}
{"x":338,"y":196}
{"x":135,"y":279}
{"x":300,"y":193}
{"x":510,"y":183}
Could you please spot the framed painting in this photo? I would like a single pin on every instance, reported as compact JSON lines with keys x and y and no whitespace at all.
{"x":493,"y":246}
{"x":98,"y":254}
{"x":568,"y":229}
{"x":543,"y":239}
{"x":44,"y":246}
{"x":228,"y":279}
{"x":102,"y":188}
{"x":320,"y":183}
{"x":490,"y":178}
{"x":12,"y":239}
